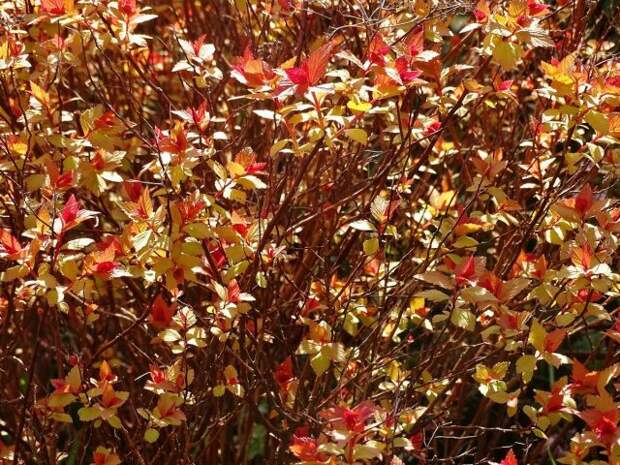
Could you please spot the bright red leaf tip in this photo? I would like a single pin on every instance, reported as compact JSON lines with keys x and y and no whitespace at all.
{"x":510,"y":459}
{"x":127,"y":7}
{"x":535,"y":8}
{"x":352,"y":419}
{"x":480,"y":15}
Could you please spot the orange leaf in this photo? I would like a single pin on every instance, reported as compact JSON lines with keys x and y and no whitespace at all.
{"x":510,"y":459}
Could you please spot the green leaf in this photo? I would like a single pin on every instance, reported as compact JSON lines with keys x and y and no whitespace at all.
{"x":89,"y":413}
{"x":371,"y":246}
{"x":115,"y":422}
{"x":258,"y":441}
{"x":463,"y":318}
{"x":151,"y":435}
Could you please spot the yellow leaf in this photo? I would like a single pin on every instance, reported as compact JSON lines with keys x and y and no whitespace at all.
{"x":320,"y":363}
{"x":598,"y":121}
{"x":506,"y":54}
{"x":526,"y":365}
{"x":371,"y":246}
{"x":537,"y":336}
{"x":357,"y":105}
{"x":39,"y":94}
{"x":69,"y":6}
{"x":614,"y":124}
{"x":358,"y":135}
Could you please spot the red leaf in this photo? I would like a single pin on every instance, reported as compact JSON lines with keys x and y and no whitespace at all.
{"x":510,"y":459}
{"x":480,"y":15}
{"x":377,"y":50}
{"x":298,"y":76}
{"x":127,"y":6}
{"x":603,"y":424}
{"x":9,"y":243}
{"x":70,"y":211}
{"x":317,"y":62}
{"x":134,"y":189}
{"x":584,"y":200}
{"x":306,"y":449}
{"x":466,"y":271}
{"x":161,"y":313}
{"x":535,"y":8}
{"x":554,"y":339}
{"x":415,"y":42}
{"x":255,"y":71}
{"x":404,"y":70}
{"x":233,"y":291}
{"x":53,"y":7}
{"x":584,"y":381}
{"x":106,"y":120}
{"x":284,"y":373}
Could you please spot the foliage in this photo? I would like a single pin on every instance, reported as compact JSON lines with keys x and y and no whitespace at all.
{"x":309,"y":231}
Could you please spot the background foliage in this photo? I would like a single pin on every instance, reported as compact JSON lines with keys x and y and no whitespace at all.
{"x":309,"y":231}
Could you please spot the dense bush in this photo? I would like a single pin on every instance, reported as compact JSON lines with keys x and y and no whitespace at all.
{"x":316,"y":231}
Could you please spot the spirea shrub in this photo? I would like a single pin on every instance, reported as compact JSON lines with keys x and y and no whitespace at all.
{"x":309,"y":232}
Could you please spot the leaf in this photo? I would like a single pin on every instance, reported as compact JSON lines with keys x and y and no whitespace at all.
{"x":598,"y":121}
{"x":371,"y":246}
{"x":317,"y":62}
{"x":278,"y":146}
{"x":433,"y":295}
{"x":536,"y":37}
{"x":537,"y":336}
{"x":141,"y":240}
{"x":358,"y":135}
{"x":115,"y":422}
{"x":477,"y":294}
{"x":463,"y":318}
{"x":362,"y":225}
{"x":308,"y":347}
{"x":506,"y":54}
{"x":320,"y":363}
{"x":526,"y":365}
{"x":268,"y":115}
{"x":510,"y":459}
{"x":368,"y":451}
{"x":78,"y":244}
{"x":9,"y":245}
{"x":89,"y":413}
{"x":357,"y":105}
{"x":40,"y":94}
{"x":142,"y":18}
{"x":151,"y":435}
